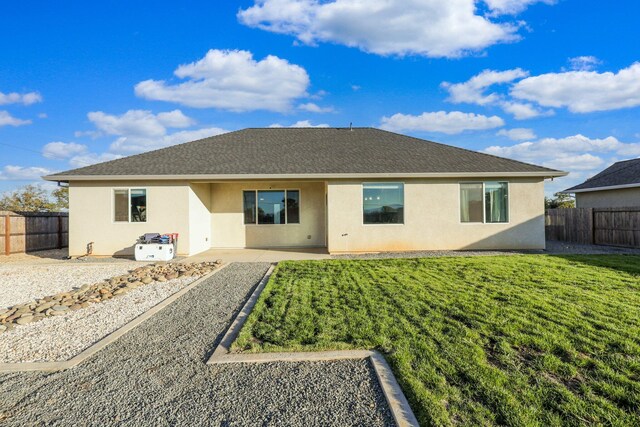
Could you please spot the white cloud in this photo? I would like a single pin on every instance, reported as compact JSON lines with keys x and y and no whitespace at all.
{"x":517,"y":134}
{"x":20,"y":98}
{"x":511,"y":7}
{"x":22,"y":173}
{"x":7,"y":119}
{"x":445,"y":122}
{"x":472,"y":91}
{"x":232,"y":80}
{"x":301,"y":124}
{"x":139,"y":123}
{"x":432,"y":28}
{"x":63,"y":150}
{"x":572,"y":153}
{"x":315,"y":108}
{"x":91,"y":159}
{"x":583,"y":91}
{"x":136,"y":144}
{"x":584,"y":63}
{"x":524,"y":110}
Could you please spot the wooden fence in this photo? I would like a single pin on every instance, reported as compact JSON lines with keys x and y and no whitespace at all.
{"x":597,"y":226}
{"x":33,"y":231}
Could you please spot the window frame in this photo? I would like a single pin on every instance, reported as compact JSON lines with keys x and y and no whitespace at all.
{"x":484,"y":209}
{"x":286,"y":214}
{"x":404,"y":211}
{"x":113,"y":205}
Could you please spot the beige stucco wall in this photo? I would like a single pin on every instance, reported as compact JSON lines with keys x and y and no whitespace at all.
{"x":227,"y":220}
{"x":210,"y":215}
{"x":199,"y":217}
{"x":91,"y":216}
{"x":432,"y":219}
{"x":623,"y":198}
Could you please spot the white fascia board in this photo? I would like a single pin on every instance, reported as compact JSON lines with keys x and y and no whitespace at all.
{"x":235,"y":177}
{"x":610,"y":187}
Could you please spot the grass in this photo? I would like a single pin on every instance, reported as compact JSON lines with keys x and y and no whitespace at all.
{"x":506,"y":340}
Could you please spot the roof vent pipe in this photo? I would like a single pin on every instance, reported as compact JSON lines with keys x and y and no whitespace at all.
{"x":350,"y":125}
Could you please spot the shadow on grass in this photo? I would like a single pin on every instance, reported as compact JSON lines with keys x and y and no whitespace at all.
{"x":629,"y":264}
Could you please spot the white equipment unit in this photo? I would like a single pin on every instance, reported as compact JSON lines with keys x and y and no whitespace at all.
{"x":154,"y":251}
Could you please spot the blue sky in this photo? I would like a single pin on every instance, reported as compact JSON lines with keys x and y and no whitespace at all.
{"x":549,"y":82}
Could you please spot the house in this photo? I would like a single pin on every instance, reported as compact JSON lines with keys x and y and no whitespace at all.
{"x":618,"y":186}
{"x":349,"y":190}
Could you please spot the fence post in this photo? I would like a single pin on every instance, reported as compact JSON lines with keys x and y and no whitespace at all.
{"x":59,"y":232}
{"x":592,"y":214}
{"x":7,"y":234}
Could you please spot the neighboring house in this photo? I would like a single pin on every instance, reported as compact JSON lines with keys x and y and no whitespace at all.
{"x":618,"y":186}
{"x":349,"y":190}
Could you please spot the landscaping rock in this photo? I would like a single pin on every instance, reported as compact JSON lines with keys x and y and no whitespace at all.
{"x":24,"y":320}
{"x":83,"y":296}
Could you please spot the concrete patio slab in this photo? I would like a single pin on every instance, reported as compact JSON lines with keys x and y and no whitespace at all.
{"x":259,"y":255}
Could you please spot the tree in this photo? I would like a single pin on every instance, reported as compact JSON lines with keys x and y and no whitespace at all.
{"x":560,"y":201}
{"x":61,"y":196}
{"x":33,"y":198}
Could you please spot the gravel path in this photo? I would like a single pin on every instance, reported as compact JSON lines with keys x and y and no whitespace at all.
{"x":21,"y":283}
{"x":156,"y":375}
{"x":60,"y":338}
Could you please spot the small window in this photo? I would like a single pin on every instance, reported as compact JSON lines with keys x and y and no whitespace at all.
{"x":471,"y":202}
{"x":130,"y":205}
{"x":496,"y":201}
{"x":293,"y":207}
{"x":271,"y":206}
{"x":249,"y":200}
{"x":383,"y":203}
{"x":484,"y":202}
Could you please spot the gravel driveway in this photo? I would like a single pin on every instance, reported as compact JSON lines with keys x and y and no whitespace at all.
{"x":156,"y":375}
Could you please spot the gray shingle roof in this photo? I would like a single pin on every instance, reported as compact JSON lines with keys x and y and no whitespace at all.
{"x":285,"y":151}
{"x":620,"y":173}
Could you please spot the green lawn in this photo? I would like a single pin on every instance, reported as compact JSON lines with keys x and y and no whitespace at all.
{"x":505,"y":340}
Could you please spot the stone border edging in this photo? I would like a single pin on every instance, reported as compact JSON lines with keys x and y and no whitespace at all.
{"x":108,"y":339}
{"x":397,"y":401}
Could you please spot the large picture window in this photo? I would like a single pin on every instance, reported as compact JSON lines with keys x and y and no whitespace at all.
{"x":271,"y":206}
{"x":383,"y":203}
{"x":130,"y":205}
{"x":486,"y":202}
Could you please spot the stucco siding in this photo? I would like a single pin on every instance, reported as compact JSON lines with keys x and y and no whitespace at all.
{"x":91,"y":216}
{"x":227,"y":220}
{"x":622,"y":198}
{"x":432,"y":219}
{"x":199,"y":217}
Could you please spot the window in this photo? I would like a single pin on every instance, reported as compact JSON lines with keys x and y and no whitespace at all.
{"x":271,"y":206}
{"x":249,"y":200}
{"x":471,"y":202}
{"x":383,"y":203}
{"x":130,"y":205}
{"x":484,"y":202}
{"x":496,"y":202}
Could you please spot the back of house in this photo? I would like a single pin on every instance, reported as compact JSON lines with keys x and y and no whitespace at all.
{"x":343,"y":189}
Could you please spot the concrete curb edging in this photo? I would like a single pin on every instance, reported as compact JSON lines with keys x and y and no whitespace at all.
{"x":108,"y":339}
{"x":398,"y":404}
